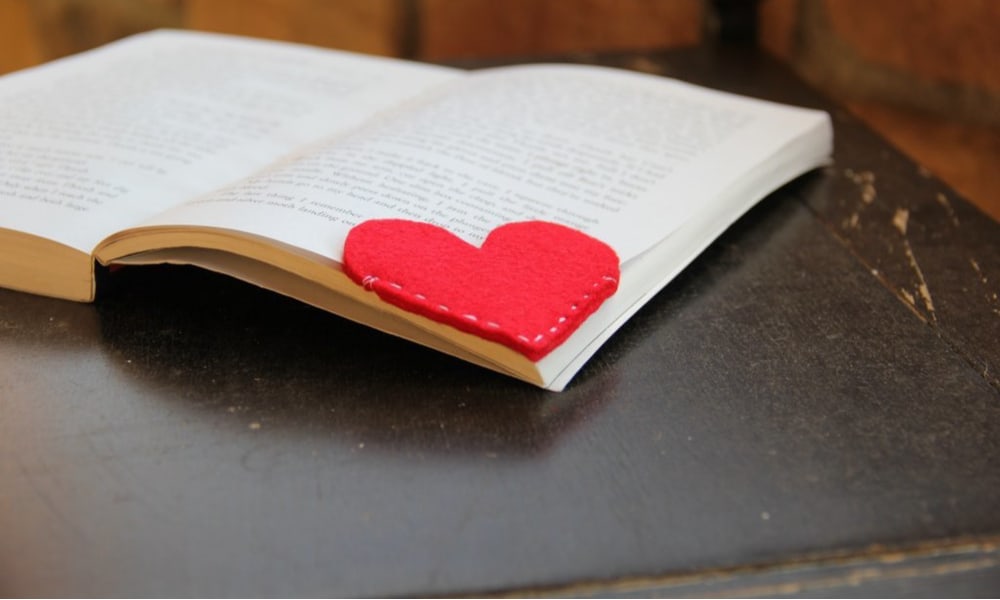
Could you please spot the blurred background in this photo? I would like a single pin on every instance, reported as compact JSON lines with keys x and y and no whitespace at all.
{"x":924,"y":73}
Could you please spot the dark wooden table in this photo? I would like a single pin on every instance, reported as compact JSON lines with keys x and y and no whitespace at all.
{"x":811,"y":409}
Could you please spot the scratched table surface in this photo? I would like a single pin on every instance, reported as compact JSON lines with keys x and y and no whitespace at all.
{"x":811,"y":409}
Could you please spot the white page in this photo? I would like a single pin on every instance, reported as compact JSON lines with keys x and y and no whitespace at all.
{"x":100,"y":141}
{"x":622,"y":156}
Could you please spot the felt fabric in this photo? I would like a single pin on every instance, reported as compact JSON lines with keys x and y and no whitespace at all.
{"x":529,"y":286}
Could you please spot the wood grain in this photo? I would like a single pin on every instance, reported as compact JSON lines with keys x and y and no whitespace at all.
{"x":371,"y":26}
{"x":936,"y":40}
{"x":470,"y":28}
{"x":20,"y":46}
{"x":65,"y":27}
{"x":964,"y":155}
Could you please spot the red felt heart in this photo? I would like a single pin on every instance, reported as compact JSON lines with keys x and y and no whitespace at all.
{"x":528,"y":287}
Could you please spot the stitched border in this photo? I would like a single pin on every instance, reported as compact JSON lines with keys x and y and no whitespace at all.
{"x":369,"y":282}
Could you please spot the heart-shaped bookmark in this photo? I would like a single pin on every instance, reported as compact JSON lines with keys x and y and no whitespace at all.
{"x":528,"y":287}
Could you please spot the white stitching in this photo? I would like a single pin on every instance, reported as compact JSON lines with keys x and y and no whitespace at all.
{"x":369,"y":281}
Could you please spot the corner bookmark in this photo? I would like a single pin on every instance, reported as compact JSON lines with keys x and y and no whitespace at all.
{"x":529,"y":286}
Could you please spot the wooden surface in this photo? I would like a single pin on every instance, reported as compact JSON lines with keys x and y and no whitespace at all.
{"x":812,"y":408}
{"x":962,"y":154}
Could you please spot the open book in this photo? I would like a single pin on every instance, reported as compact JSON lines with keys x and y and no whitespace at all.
{"x":256,"y":159}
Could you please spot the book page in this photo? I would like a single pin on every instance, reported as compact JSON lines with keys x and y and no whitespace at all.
{"x":100,"y":141}
{"x":622,"y":156}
